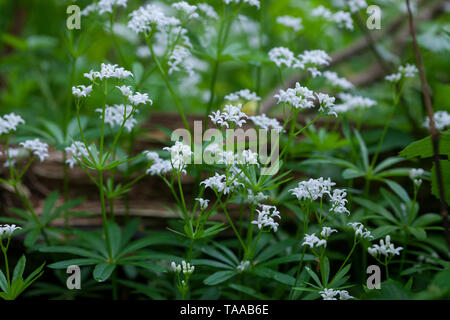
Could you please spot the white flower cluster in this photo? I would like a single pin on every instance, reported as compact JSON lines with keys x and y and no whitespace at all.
{"x":9,"y":123}
{"x":243,"y":265}
{"x":266,"y":217}
{"x":326,"y":103}
{"x":312,"y":189}
{"x":222,"y":184}
{"x":313,"y":241}
{"x":187,"y":9}
{"x":415,"y":175}
{"x":327,"y":231}
{"x":338,"y":201}
{"x":350,"y":103}
{"x":244,"y":94}
{"x":159,"y":166}
{"x":184,"y":267}
{"x":180,"y":59}
{"x":385,"y":248}
{"x":103,"y":6}
{"x":441,"y":120}
{"x":13,"y":155}
{"x":361,"y":231}
{"x":335,"y":81}
{"x":78,"y":150}
{"x":81,"y":91}
{"x":256,"y":198}
{"x":8,"y":230}
{"x":116,"y":115}
{"x":149,"y":17}
{"x":134,"y":98}
{"x":37,"y":147}
{"x":266,"y":123}
{"x":309,"y":59}
{"x":254,"y":3}
{"x":342,"y":18}
{"x":180,"y":156}
{"x":230,"y":115}
{"x":246,"y":157}
{"x":290,"y":22}
{"x":208,"y":11}
{"x":407,"y":71}
{"x":108,"y":71}
{"x":203,"y":203}
{"x":356,"y":5}
{"x":330,"y":294}
{"x":298,"y":97}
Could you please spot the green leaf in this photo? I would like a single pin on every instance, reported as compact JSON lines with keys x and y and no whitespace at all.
{"x":325,"y":270}
{"x":103,"y":271}
{"x":249,"y":291}
{"x":386,"y":163}
{"x":399,"y":190}
{"x":49,"y":203}
{"x":426,"y":219}
{"x":336,"y":281}
{"x":31,"y":237}
{"x":274,"y":275}
{"x":383,"y":230}
{"x":352,"y":173}
{"x":3,"y":282}
{"x":424,"y":148}
{"x":211,"y":263}
{"x":79,"y":262}
{"x":20,"y":267}
{"x":363,"y":149}
{"x":376,"y":207}
{"x":419,"y":233}
{"x":33,"y":276}
{"x":445,"y":169}
{"x":219,"y":277}
{"x":314,"y":276}
{"x":72,"y":250}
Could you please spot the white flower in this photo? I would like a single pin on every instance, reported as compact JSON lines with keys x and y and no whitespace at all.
{"x":360,"y":230}
{"x":178,"y":59}
{"x":247,"y":157}
{"x":266,"y":123}
{"x":441,"y":120}
{"x":321,"y":11}
{"x":81,"y":91}
{"x":146,"y":18}
{"x":326,"y":103}
{"x":108,"y":71}
{"x":343,"y":19}
{"x":9,"y":123}
{"x":230,"y":114}
{"x":126,"y":90}
{"x":327,"y":231}
{"x":330,"y":294}
{"x":117,"y":114}
{"x":416,"y":175}
{"x":298,"y":97}
{"x":13,"y":155}
{"x":160,"y":167}
{"x":315,"y":58}
{"x":312,"y":189}
{"x":78,"y":150}
{"x":184,"y":267}
{"x":254,"y":3}
{"x":338,"y":201}
{"x":282,"y":56}
{"x":266,"y":217}
{"x":356,"y":5}
{"x":134,"y":98}
{"x":103,"y":6}
{"x":180,"y":156}
{"x":385,"y":248}
{"x":407,"y":71}
{"x":143,"y":52}
{"x":245,"y":94}
{"x":243,"y":265}
{"x":37,"y":147}
{"x":221,"y":184}
{"x":350,"y":102}
{"x":203,"y":203}
{"x":185,"y":7}
{"x":8,"y":229}
{"x":335,"y":81}
{"x":313,"y":241}
{"x":290,"y":22}
{"x":256,"y":198}
{"x":208,"y":11}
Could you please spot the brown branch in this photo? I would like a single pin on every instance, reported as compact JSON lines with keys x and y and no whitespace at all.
{"x":435,"y":134}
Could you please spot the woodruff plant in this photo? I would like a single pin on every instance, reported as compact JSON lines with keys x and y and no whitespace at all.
{"x":184,"y":43}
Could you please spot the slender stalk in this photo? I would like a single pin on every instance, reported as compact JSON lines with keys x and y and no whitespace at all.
{"x":435,"y":134}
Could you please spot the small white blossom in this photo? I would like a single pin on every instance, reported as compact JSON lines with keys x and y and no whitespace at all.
{"x":313,"y":241}
{"x":266,"y":217}
{"x":441,"y":120}
{"x":245,"y":94}
{"x":9,"y":123}
{"x":338,"y":201}
{"x":184,"y":267}
{"x":385,"y":248}
{"x":81,"y":91}
{"x":290,"y":22}
{"x":361,"y":231}
{"x":350,"y":103}
{"x":78,"y":150}
{"x":266,"y":123}
{"x":180,"y":156}
{"x":37,"y":147}
{"x":8,"y":230}
{"x":326,"y":103}
{"x":189,"y":10}
{"x":243,"y":265}
{"x":313,"y":189}
{"x":256,"y":198}
{"x":327,"y":231}
{"x":298,"y":97}
{"x":108,"y":71}
{"x":221,"y":184}
{"x":356,"y":5}
{"x":254,"y":3}
{"x":203,"y":203}
{"x":149,"y":17}
{"x":282,"y":56}
{"x":208,"y":11}
{"x":407,"y":71}
{"x":117,"y":114}
{"x":230,"y":115}
{"x":416,"y":175}
{"x":335,"y":81}
{"x":330,"y":294}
